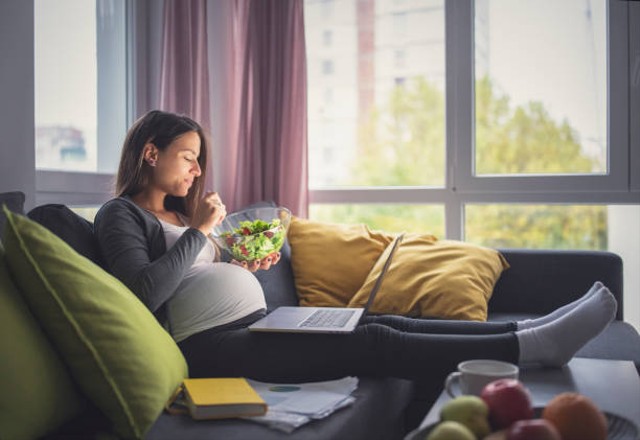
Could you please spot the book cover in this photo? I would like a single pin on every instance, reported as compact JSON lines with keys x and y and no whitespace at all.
{"x":217,"y":398}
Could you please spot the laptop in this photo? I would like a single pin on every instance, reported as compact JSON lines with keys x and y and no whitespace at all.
{"x":322,"y":319}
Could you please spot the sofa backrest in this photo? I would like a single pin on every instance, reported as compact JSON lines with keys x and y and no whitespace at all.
{"x":540,"y":281}
{"x":75,"y":230}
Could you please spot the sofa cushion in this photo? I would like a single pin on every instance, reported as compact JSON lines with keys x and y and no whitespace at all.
{"x":431,"y":278}
{"x":331,"y":261}
{"x":72,"y":228}
{"x":123,"y":360}
{"x":38,"y":394}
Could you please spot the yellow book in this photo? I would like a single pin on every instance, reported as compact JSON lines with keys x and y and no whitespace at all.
{"x":219,"y":398}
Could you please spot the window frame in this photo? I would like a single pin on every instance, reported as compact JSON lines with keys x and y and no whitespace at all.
{"x":460,"y":99}
{"x":95,"y":188}
{"x":634,"y":95}
{"x":620,"y":186}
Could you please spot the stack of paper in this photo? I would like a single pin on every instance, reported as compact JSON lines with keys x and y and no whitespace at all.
{"x":293,"y":405}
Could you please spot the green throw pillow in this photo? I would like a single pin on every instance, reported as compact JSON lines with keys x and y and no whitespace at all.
{"x":121,"y":357}
{"x":38,"y":394}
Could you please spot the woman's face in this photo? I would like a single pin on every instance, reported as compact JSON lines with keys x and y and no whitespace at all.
{"x":177,"y":166}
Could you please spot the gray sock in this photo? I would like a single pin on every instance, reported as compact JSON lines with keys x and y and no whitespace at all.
{"x":556,"y":342}
{"x":530,"y":323}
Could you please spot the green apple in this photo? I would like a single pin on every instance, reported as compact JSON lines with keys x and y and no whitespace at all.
{"x":497,"y":435}
{"x":469,"y":410}
{"x":450,"y":430}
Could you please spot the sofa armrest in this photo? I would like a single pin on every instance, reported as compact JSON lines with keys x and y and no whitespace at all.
{"x":540,"y":281}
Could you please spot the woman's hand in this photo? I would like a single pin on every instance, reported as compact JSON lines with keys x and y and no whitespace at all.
{"x":209,"y":213}
{"x":255,"y":265}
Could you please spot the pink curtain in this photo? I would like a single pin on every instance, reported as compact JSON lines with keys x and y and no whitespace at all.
{"x":269,"y":93}
{"x":184,"y":72}
{"x":260,"y":76}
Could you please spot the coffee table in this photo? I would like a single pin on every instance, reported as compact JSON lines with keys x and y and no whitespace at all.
{"x":613,"y":385}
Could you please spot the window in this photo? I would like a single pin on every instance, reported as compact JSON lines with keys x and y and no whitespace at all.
{"x":503,"y":122}
{"x":327,"y":38}
{"x":540,"y":97}
{"x":327,"y":67}
{"x":399,"y":21}
{"x":66,"y":85}
{"x":80,"y":93}
{"x":504,"y":109}
{"x":390,"y":127}
{"x":400,"y":58}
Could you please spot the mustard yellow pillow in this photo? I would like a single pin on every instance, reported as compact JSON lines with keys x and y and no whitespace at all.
{"x":431,"y":278}
{"x":331,"y":261}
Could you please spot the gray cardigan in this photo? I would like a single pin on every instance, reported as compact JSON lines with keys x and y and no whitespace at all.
{"x":133,"y":246}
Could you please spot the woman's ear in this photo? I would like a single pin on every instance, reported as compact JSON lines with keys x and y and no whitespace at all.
{"x":150,"y":154}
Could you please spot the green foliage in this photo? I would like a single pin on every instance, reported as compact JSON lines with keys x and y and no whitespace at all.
{"x":524,"y":140}
{"x":537,"y":226}
{"x":403,"y":144}
{"x":424,"y":219}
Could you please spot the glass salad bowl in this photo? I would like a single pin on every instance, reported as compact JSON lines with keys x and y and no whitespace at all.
{"x":254,"y":233}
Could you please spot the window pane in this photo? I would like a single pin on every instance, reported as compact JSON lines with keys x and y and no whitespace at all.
{"x":71,"y":38}
{"x":423,"y":219}
{"x":537,"y":226}
{"x":541,"y":83}
{"x":375,"y":92}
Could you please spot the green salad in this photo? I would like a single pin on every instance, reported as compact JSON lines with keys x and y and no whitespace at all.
{"x":254,"y":240}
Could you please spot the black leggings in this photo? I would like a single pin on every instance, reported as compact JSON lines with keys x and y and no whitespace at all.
{"x":380,"y":346}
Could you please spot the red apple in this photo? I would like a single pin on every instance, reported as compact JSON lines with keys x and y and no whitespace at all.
{"x":508,"y":401}
{"x":534,"y":429}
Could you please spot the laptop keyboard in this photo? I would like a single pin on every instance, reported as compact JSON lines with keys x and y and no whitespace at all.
{"x":327,"y":318}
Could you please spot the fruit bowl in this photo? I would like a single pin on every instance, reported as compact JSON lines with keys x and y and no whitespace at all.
{"x":253,"y":234}
{"x":619,"y":428}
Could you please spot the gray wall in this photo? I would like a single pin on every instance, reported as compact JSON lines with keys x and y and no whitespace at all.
{"x":17,"y":137}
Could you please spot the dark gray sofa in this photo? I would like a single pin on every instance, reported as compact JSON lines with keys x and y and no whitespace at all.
{"x":537,"y":282}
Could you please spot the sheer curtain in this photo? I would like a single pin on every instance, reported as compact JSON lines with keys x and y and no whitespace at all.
{"x":264,"y":103}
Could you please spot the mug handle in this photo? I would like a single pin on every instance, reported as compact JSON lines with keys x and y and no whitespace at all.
{"x":448,"y":383}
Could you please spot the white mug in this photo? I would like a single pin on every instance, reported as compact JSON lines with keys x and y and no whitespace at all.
{"x":473,"y":375}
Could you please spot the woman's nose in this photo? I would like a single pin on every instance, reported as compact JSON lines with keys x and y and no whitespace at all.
{"x":196,"y":169}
